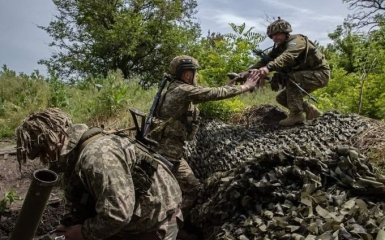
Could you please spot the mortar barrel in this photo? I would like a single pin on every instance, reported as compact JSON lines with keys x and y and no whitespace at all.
{"x":34,"y":204}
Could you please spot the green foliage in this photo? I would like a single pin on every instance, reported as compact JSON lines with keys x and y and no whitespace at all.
{"x":341,"y":92}
{"x":58,"y":94}
{"x":219,"y":54}
{"x":358,"y":66}
{"x":95,"y":101}
{"x":20,"y":95}
{"x":113,"y":94}
{"x":9,"y":198}
{"x":138,"y":37}
{"x":221,"y":109}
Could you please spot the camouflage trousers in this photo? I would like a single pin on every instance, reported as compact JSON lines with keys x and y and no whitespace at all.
{"x":292,"y":97}
{"x":173,"y":150}
{"x":185,"y":176}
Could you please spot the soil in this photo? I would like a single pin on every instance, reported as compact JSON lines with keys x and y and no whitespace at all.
{"x":13,"y":179}
{"x":263,"y":116}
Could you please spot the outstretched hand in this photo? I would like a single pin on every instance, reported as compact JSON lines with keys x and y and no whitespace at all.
{"x":253,"y":80}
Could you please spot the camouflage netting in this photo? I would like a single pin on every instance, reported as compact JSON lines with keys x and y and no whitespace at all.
{"x":302,"y":182}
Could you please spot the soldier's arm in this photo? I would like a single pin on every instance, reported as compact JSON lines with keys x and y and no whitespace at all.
{"x":197,"y":94}
{"x":107,"y":177}
{"x":294,"y":48}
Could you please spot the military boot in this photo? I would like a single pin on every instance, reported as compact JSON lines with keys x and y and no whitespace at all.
{"x":311,"y":111}
{"x":293,"y":118}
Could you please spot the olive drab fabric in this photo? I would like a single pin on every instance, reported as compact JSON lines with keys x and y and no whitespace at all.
{"x":296,"y":54}
{"x":278,"y":26}
{"x":299,"y":60}
{"x":177,"y":120}
{"x":100,"y":187}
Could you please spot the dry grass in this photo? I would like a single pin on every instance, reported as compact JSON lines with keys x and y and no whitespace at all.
{"x":372,"y":142}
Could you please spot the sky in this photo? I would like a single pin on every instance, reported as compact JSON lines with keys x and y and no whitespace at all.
{"x":23,"y":44}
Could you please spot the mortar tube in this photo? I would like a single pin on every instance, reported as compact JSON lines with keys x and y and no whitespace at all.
{"x":34,"y":204}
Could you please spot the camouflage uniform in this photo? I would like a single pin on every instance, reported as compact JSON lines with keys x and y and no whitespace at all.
{"x":299,"y":60}
{"x":101,"y":191}
{"x":177,"y":121}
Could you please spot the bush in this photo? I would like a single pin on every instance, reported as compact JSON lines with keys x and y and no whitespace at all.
{"x":221,"y":109}
{"x":9,"y":198}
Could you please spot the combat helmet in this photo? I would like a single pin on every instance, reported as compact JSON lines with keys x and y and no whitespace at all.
{"x":278,"y":26}
{"x":182,"y":62}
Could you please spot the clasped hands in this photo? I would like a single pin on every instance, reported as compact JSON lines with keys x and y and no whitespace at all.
{"x":256,"y":78}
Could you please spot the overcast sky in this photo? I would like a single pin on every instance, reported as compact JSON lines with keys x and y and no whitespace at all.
{"x":22,"y":44}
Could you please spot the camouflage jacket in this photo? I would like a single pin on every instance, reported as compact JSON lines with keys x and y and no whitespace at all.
{"x":99,"y":185}
{"x":296,"y":54}
{"x":177,"y":116}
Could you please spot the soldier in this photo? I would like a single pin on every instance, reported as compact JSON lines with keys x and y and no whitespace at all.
{"x":176,"y":117}
{"x":114,"y":188}
{"x":296,"y":60}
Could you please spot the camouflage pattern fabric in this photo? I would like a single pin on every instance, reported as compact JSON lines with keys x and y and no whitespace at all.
{"x":292,"y":97}
{"x":303,"y":63}
{"x":177,"y":121}
{"x":101,"y":177}
{"x":42,"y":130}
{"x":278,"y":26}
{"x":296,"y":54}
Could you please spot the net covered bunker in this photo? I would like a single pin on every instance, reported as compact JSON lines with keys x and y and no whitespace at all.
{"x":262,"y":181}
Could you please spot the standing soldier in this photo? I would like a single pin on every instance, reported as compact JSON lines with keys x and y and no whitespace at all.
{"x":176,"y":117}
{"x":114,"y":188}
{"x":297,"y":61}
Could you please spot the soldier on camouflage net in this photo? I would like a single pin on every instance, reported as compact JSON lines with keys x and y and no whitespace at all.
{"x":177,"y":116}
{"x":295,"y":59}
{"x":116,"y":190}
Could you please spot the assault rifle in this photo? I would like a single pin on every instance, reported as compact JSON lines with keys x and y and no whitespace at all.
{"x":143,"y":127}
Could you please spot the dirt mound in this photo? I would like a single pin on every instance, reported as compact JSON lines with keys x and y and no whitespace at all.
{"x":265,"y":116}
{"x":220,"y":146}
{"x":301,"y":182}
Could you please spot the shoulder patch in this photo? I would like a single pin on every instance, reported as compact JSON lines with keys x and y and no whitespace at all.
{"x":292,"y":44}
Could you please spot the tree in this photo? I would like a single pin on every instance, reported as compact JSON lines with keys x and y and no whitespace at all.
{"x":343,"y":50}
{"x":367,"y":13}
{"x":219,"y":54}
{"x":358,"y":67}
{"x":136,"y":36}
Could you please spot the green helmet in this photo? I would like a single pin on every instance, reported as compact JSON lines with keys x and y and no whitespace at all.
{"x":278,"y":26}
{"x":180,"y":63}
